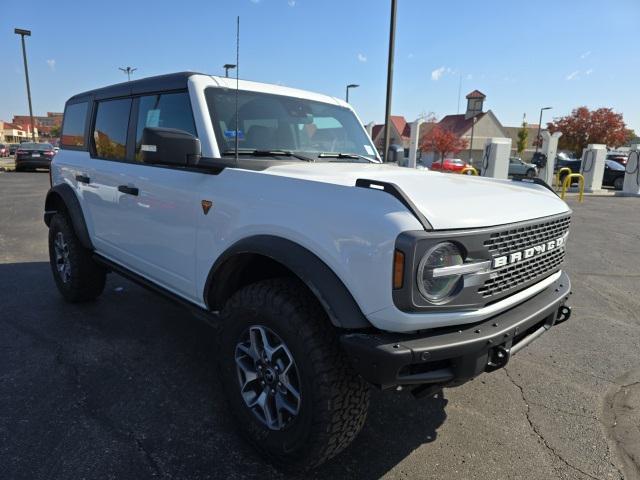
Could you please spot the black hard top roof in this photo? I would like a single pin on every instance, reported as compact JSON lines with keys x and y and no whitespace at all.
{"x":171,"y":81}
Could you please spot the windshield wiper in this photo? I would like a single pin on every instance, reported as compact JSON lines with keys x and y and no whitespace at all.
{"x":270,"y":153}
{"x":345,"y":155}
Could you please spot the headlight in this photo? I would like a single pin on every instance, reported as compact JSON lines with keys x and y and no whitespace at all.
{"x":436,"y":289}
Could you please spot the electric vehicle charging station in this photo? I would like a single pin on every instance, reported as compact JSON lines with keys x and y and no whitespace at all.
{"x":592,"y":167}
{"x":631,"y":184}
{"x":550,"y":150}
{"x":495,"y":160}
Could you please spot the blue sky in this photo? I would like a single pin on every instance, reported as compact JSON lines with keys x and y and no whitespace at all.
{"x":522,"y":55}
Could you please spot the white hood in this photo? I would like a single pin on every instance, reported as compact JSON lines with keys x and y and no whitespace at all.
{"x":447,"y":200}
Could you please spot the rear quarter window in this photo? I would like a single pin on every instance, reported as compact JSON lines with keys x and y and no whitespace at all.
{"x":73,"y":125}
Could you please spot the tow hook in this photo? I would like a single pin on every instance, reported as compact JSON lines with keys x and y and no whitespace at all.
{"x":564,"y":313}
{"x":498,"y":358}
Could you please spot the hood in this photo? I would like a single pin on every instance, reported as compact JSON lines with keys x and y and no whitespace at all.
{"x":448,"y":201}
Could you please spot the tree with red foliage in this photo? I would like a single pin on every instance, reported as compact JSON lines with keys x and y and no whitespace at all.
{"x":585,"y":126}
{"x":443,"y":141}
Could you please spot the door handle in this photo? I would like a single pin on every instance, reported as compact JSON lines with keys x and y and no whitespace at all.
{"x":83,"y":179}
{"x":128,"y":190}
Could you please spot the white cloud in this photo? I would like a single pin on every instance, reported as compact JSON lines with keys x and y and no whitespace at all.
{"x":52,"y":64}
{"x":437,"y":73}
{"x":585,"y":54}
{"x":291,"y":3}
{"x":573,"y":75}
{"x":589,"y":71}
{"x":362,"y":57}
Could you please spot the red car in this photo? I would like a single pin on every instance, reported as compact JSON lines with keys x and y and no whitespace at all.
{"x":4,"y":150}
{"x":449,"y":165}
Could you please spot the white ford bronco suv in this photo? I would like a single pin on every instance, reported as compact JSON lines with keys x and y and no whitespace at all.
{"x":267,"y":210}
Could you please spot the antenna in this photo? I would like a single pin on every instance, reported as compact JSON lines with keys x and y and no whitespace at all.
{"x":237,"y":81}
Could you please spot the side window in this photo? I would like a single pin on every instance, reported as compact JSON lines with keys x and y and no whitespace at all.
{"x":167,"y":110}
{"x":110,"y":130}
{"x":75,"y":117}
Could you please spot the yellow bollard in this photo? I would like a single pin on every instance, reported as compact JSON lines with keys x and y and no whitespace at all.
{"x":567,"y":182}
{"x":559,"y":174}
{"x":469,"y":170}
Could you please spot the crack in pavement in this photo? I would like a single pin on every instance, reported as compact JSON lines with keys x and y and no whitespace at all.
{"x":535,"y":429}
{"x":619,"y":424}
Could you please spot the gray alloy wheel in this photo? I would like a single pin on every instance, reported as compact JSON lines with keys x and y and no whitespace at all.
{"x":268,"y":377}
{"x":63,"y":265}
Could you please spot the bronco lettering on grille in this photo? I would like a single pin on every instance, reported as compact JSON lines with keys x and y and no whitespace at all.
{"x":515,"y":257}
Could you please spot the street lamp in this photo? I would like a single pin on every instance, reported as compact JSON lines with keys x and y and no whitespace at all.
{"x":27,"y":33}
{"x":539,"y":126}
{"x":227,"y":67}
{"x":351,"y":85}
{"x":128,"y":71}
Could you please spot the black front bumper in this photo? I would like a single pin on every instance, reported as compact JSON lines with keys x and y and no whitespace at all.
{"x":451,"y":356}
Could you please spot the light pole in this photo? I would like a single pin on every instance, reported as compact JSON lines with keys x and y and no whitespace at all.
{"x":540,"y":126}
{"x":227,"y":67}
{"x":351,"y":85}
{"x":27,"y":33}
{"x":128,"y":71}
{"x":387,"y":117}
{"x":473,"y":126}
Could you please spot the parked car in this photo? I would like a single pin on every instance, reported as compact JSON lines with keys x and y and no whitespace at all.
{"x":266,"y":210}
{"x":621,"y":158}
{"x":449,"y":165}
{"x":33,"y":156}
{"x":4,"y":150}
{"x":519,"y":168}
{"x":12,"y":148}
{"x":613,"y":174}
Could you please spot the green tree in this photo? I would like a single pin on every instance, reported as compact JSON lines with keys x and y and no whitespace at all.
{"x":55,"y":131}
{"x":523,"y":137}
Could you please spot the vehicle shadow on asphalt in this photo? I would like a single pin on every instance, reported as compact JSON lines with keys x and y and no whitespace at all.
{"x":125,"y":387}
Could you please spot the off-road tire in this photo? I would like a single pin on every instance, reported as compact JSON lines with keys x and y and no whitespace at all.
{"x":334,"y":398}
{"x":86,"y":279}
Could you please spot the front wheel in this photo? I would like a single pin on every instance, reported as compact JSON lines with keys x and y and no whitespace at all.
{"x":290,"y":388}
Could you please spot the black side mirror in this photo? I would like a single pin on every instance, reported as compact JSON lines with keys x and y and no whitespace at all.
{"x":169,"y":146}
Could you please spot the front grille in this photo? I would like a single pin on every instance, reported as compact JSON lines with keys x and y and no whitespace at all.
{"x":518,"y":275}
{"x":519,"y":238}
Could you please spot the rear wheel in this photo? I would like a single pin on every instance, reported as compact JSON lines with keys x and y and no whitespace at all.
{"x":290,"y":388}
{"x":78,"y":277}
{"x":618,"y":183}
{"x":531,"y":173}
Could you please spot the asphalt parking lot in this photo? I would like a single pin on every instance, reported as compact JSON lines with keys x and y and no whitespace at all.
{"x":125,"y":387}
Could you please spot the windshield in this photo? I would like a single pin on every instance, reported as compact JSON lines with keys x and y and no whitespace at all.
{"x":277,"y":122}
{"x":614,"y":165}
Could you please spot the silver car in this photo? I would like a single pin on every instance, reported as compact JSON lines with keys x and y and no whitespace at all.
{"x":519,"y":168}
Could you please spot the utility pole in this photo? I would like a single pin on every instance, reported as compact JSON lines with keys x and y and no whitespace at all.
{"x":387,"y":117}
{"x":128,"y":71}
{"x":351,"y":85}
{"x":27,"y":33}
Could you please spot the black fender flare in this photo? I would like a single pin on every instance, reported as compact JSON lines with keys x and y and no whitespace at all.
{"x":331,"y":292}
{"x":63,"y":198}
